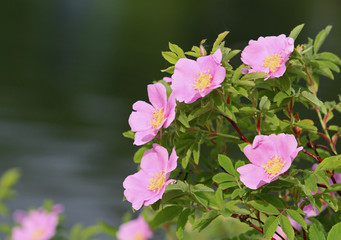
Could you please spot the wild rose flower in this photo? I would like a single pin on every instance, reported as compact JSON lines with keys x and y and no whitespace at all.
{"x":270,"y":156}
{"x":195,"y":79}
{"x":36,"y":225}
{"x":148,"y":119}
{"x":268,"y":54}
{"x":148,"y":185}
{"x":136,"y":229}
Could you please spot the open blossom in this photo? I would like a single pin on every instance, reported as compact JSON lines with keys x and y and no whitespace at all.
{"x":148,"y":185}
{"x":148,"y":119}
{"x":136,"y":229}
{"x":270,"y":156}
{"x":36,"y":225}
{"x":268,"y":54}
{"x":195,"y":79}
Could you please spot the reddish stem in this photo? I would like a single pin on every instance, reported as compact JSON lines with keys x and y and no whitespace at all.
{"x":242,"y":137}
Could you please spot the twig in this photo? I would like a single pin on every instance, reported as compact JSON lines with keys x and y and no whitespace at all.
{"x":242,"y":137}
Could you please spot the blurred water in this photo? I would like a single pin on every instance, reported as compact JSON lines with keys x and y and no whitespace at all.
{"x":71,"y":69}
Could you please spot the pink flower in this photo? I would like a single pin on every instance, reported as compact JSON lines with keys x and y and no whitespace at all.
{"x":148,"y":185}
{"x":136,"y":229}
{"x":268,"y":54}
{"x":148,"y":119}
{"x":36,"y":225}
{"x":270,"y":156}
{"x":195,"y":79}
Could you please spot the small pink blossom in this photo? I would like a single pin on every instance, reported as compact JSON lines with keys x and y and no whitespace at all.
{"x":36,"y":225}
{"x":270,"y":156}
{"x":195,"y":79}
{"x":148,"y":119}
{"x":148,"y":185}
{"x":136,"y":229}
{"x":268,"y":54}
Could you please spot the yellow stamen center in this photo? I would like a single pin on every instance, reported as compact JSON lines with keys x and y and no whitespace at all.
{"x":273,"y":61}
{"x":37,"y":234}
{"x":139,"y":236}
{"x":203,"y":81}
{"x":273,"y":166}
{"x":157,"y":118}
{"x":157,"y":181}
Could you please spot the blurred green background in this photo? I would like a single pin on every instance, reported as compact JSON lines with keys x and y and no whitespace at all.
{"x":70,"y":71}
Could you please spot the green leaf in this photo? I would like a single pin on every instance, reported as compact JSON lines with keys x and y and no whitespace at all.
{"x":219,"y":197}
{"x":169,"y":70}
{"x":249,"y":109}
{"x":312,"y":98}
{"x":187,"y":157}
{"x":129,"y":134}
{"x":176,"y":49}
{"x":279,"y":97}
{"x":223,"y":177}
{"x":165,"y":215}
{"x":253,"y":76}
{"x":139,"y":153}
{"x":264,"y":103}
{"x":272,"y":199}
{"x":246,"y":83}
{"x":329,"y":56}
{"x":179,"y":185}
{"x":306,"y":126}
{"x":182,"y":220}
{"x":201,"y":188}
{"x":270,"y":226}
{"x":311,"y":183}
{"x":286,"y":226}
{"x":183,"y":119}
{"x":196,"y":152}
{"x":335,"y":232}
{"x":226,"y":185}
{"x":170,"y":57}
{"x":331,"y":201}
{"x":197,"y":113}
{"x":334,"y":188}
{"x":227,"y":164}
{"x":330,"y":163}
{"x":321,"y":37}
{"x":264,"y":207}
{"x":296,"y":31}
{"x":218,"y":41}
{"x":297,"y":217}
{"x":315,"y":233}
{"x":272,"y":118}
{"x":231,"y":54}
{"x":205,"y":220}
{"x":242,"y":146}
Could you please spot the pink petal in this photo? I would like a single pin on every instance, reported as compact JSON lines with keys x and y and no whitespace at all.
{"x":140,"y":121}
{"x":157,"y":95}
{"x":252,"y":176}
{"x":155,"y":160}
{"x":142,"y":106}
{"x":286,"y":145}
{"x":143,"y":137}
{"x":261,"y":150}
{"x":172,"y":162}
{"x":171,"y":104}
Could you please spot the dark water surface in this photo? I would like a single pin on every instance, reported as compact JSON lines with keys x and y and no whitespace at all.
{"x":70,"y":71}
